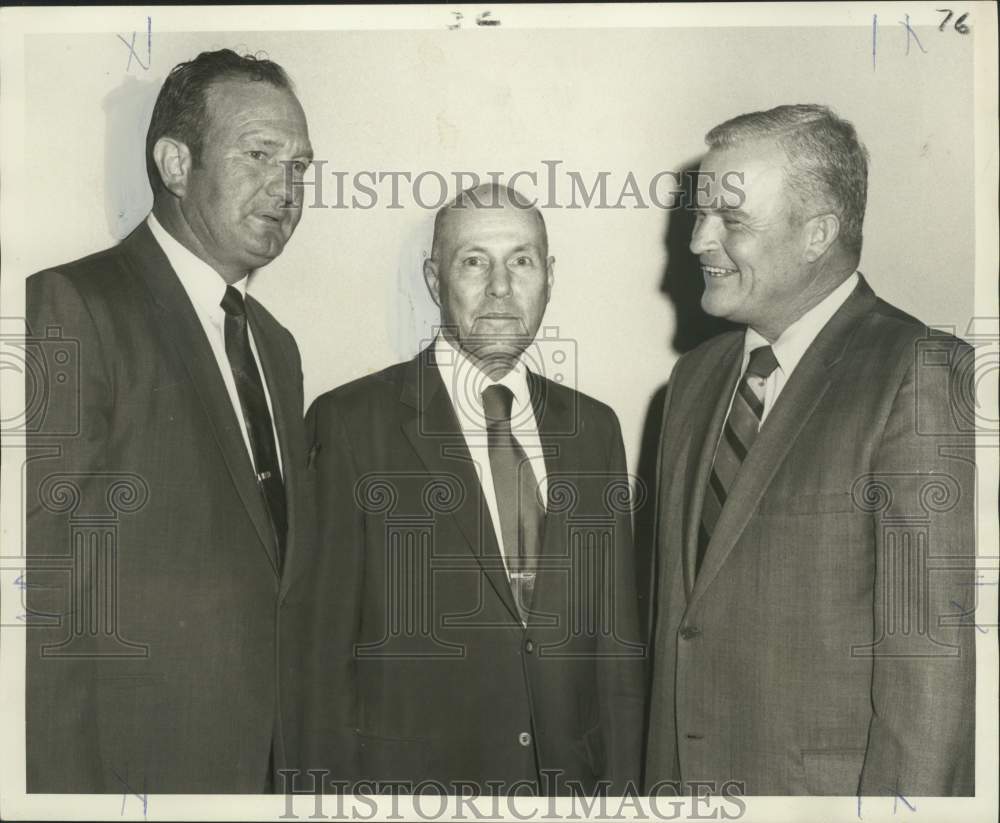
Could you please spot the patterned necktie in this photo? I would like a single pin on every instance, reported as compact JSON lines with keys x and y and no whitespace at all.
{"x":253,"y":401}
{"x":738,"y":435}
{"x":522,"y":515}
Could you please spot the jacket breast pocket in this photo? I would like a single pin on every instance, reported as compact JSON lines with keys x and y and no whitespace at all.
{"x":809,"y":503}
{"x":833,"y":771}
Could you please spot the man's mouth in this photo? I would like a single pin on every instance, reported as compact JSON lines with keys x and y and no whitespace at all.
{"x":269,"y":217}
{"x":717,"y":271}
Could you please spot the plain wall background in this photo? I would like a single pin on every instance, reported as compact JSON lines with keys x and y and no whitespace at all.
{"x":349,"y":284}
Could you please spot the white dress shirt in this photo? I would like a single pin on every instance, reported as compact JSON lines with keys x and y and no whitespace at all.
{"x":465,"y":384}
{"x":793,"y":341}
{"x":206,"y":288}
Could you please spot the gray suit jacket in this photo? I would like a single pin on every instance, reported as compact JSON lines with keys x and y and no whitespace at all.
{"x":826,"y":646}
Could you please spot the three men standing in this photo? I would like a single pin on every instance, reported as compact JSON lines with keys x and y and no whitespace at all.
{"x":466,"y":614}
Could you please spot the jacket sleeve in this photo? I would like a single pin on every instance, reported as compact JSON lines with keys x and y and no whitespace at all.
{"x":329,"y":596}
{"x":922,"y":493}
{"x":621,"y":662}
{"x":69,"y":404}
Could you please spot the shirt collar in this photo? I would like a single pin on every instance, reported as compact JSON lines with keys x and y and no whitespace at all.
{"x":792,"y":343}
{"x":203,"y":284}
{"x":461,"y":372}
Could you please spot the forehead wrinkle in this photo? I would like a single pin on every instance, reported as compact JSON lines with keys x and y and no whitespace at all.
{"x":444,"y":230}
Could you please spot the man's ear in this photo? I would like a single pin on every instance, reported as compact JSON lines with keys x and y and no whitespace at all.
{"x":173,"y":162}
{"x":432,"y":280}
{"x":821,"y":231}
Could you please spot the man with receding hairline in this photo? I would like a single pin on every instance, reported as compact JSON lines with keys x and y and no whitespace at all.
{"x":162,"y":535}
{"x":815,"y":536}
{"x":476,"y":617}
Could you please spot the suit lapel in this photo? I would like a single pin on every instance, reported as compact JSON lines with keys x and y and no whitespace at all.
{"x":714,"y":392}
{"x":554,"y":418}
{"x":433,"y":429}
{"x":799,"y":399}
{"x":180,"y":326}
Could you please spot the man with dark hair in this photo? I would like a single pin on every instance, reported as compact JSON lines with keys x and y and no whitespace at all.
{"x":815,"y":535}
{"x":476,"y":618}
{"x":163,"y":526}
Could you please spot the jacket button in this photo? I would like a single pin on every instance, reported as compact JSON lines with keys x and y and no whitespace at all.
{"x":524,"y":739}
{"x":690,"y":632}
{"x":529,"y":647}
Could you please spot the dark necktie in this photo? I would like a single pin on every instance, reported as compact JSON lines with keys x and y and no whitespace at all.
{"x":253,"y":401}
{"x":738,"y":435}
{"x":522,"y":516}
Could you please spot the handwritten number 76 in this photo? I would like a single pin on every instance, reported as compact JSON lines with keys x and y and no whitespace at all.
{"x":960,"y":25}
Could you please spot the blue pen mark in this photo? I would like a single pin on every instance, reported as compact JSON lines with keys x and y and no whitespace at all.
{"x":910,"y":33}
{"x":962,"y":609}
{"x":144,"y":798}
{"x":874,"y":49}
{"x":896,"y":800}
{"x":131,"y":47}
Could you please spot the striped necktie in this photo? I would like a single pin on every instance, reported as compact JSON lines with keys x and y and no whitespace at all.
{"x":253,"y":401}
{"x":738,"y":435}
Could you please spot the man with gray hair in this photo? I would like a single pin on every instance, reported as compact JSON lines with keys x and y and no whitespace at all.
{"x":476,"y":618}
{"x":815,"y":538}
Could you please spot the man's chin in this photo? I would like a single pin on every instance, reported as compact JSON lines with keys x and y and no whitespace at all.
{"x":496,"y":354}
{"x":263,"y":253}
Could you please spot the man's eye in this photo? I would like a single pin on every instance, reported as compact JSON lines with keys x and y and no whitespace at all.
{"x":523,"y":260}
{"x":472,"y":262}
{"x":255,"y":154}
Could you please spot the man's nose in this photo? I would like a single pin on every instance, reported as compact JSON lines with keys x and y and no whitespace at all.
{"x":705,"y":238}
{"x":499,"y":282}
{"x":283,"y":186}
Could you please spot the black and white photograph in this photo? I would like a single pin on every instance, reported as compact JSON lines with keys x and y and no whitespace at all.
{"x":530,"y":412}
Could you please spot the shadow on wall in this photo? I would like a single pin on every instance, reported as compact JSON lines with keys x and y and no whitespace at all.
{"x":127,"y":194}
{"x":682,"y":285}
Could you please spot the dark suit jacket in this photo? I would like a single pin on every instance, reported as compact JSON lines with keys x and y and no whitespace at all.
{"x":420,"y":666}
{"x":822,"y":648}
{"x":153,"y":587}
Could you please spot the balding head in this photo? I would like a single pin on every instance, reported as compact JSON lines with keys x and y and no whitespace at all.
{"x":490,"y":273}
{"x":484,"y":196}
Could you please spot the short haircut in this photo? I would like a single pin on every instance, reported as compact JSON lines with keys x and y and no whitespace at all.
{"x":485,"y":196}
{"x":181,"y":109}
{"x":828,"y":165}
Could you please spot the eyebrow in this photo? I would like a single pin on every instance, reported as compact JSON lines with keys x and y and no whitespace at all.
{"x":270,"y":142}
{"x":723,"y":208}
{"x":523,"y":247}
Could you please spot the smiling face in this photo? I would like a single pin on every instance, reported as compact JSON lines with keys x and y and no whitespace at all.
{"x":234,"y":204}
{"x":492,"y":279}
{"x":754,"y":258}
